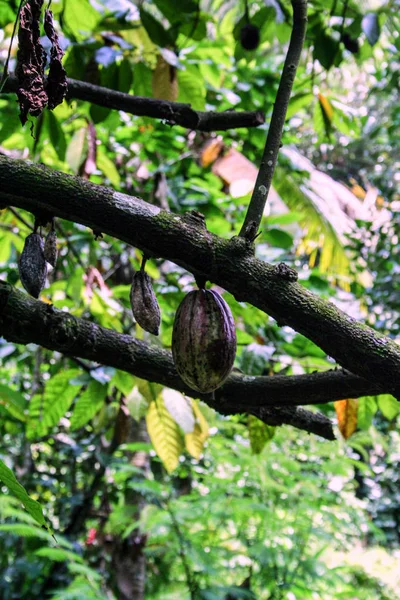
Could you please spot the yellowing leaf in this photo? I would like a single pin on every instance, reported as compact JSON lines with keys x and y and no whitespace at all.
{"x":164,"y":434}
{"x":326,"y":106}
{"x":346,"y":411}
{"x":194,"y":441}
{"x":164,"y":82}
{"x":259,"y":433}
{"x":210,"y":151}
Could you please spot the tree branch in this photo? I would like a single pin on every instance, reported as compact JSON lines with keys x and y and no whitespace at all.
{"x":24,"y":320}
{"x":175,"y":113}
{"x":270,"y":156}
{"x":228,"y":263}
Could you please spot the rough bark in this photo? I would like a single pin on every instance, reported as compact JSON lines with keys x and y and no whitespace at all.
{"x":262,"y":187}
{"x":228,"y":263}
{"x":129,"y":559}
{"x":174,"y":113}
{"x":25,"y":320}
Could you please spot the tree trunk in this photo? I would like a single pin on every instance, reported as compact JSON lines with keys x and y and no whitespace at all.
{"x":128,"y":559}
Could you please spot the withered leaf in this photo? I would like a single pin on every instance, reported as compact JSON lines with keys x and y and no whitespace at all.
{"x":57,"y":78}
{"x":31,"y":59}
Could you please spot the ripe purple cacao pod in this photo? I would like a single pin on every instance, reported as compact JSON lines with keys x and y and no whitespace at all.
{"x":144,"y":303}
{"x":50,"y":248}
{"x":32,"y":265}
{"x":204,"y":340}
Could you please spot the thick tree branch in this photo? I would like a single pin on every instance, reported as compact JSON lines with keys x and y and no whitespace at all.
{"x":150,"y":362}
{"x":271,"y":150}
{"x":175,"y":113}
{"x":24,"y":320}
{"x":229,"y":263}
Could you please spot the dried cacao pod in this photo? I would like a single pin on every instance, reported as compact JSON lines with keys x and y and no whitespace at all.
{"x":144,"y":303}
{"x":32,"y":265}
{"x":50,"y":248}
{"x":204,"y":340}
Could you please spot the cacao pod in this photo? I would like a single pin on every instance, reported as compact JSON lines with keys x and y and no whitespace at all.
{"x":32,"y":265}
{"x":144,"y":303}
{"x":50,"y":248}
{"x":249,"y":36}
{"x":204,"y":340}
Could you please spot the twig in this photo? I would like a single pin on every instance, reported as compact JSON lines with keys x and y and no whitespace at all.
{"x":20,"y":218}
{"x":190,"y":578}
{"x":344,"y":12}
{"x":174,"y":113}
{"x":5,"y":72}
{"x":70,"y":246}
{"x":270,"y":156}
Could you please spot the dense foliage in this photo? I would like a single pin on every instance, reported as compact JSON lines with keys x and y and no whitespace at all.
{"x":208,"y":506}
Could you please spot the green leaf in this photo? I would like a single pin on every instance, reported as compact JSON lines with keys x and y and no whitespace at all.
{"x":108,"y":168}
{"x":156,"y":31}
{"x":142,"y":78}
{"x":191,"y":88}
{"x":195,"y":29}
{"x":299,"y":101}
{"x":125,"y":76}
{"x":7,"y":14}
{"x":26,"y":530}
{"x":389,"y":406}
{"x":57,"y":136}
{"x":326,"y":50}
{"x":46,"y":410}
{"x":88,"y":404}
{"x":168,"y":8}
{"x":124,"y":382}
{"x":10,"y":481}
{"x":13,"y":402}
{"x":80,"y":18}
{"x":367,"y":408}
{"x":259,"y":433}
{"x":58,"y":554}
{"x":9,"y":121}
{"x":278,"y":238}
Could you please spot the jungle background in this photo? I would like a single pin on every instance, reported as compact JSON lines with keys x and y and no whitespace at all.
{"x":193,"y":504}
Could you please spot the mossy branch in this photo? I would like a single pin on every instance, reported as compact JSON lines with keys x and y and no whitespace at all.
{"x":228,"y":263}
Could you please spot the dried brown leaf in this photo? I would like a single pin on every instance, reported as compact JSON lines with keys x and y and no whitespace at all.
{"x":57,"y":79}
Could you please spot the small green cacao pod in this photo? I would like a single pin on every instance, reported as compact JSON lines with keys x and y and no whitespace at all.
{"x":144,"y":303}
{"x":249,"y":36}
{"x":32,"y":265}
{"x":50,"y":248}
{"x":204,"y":340}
